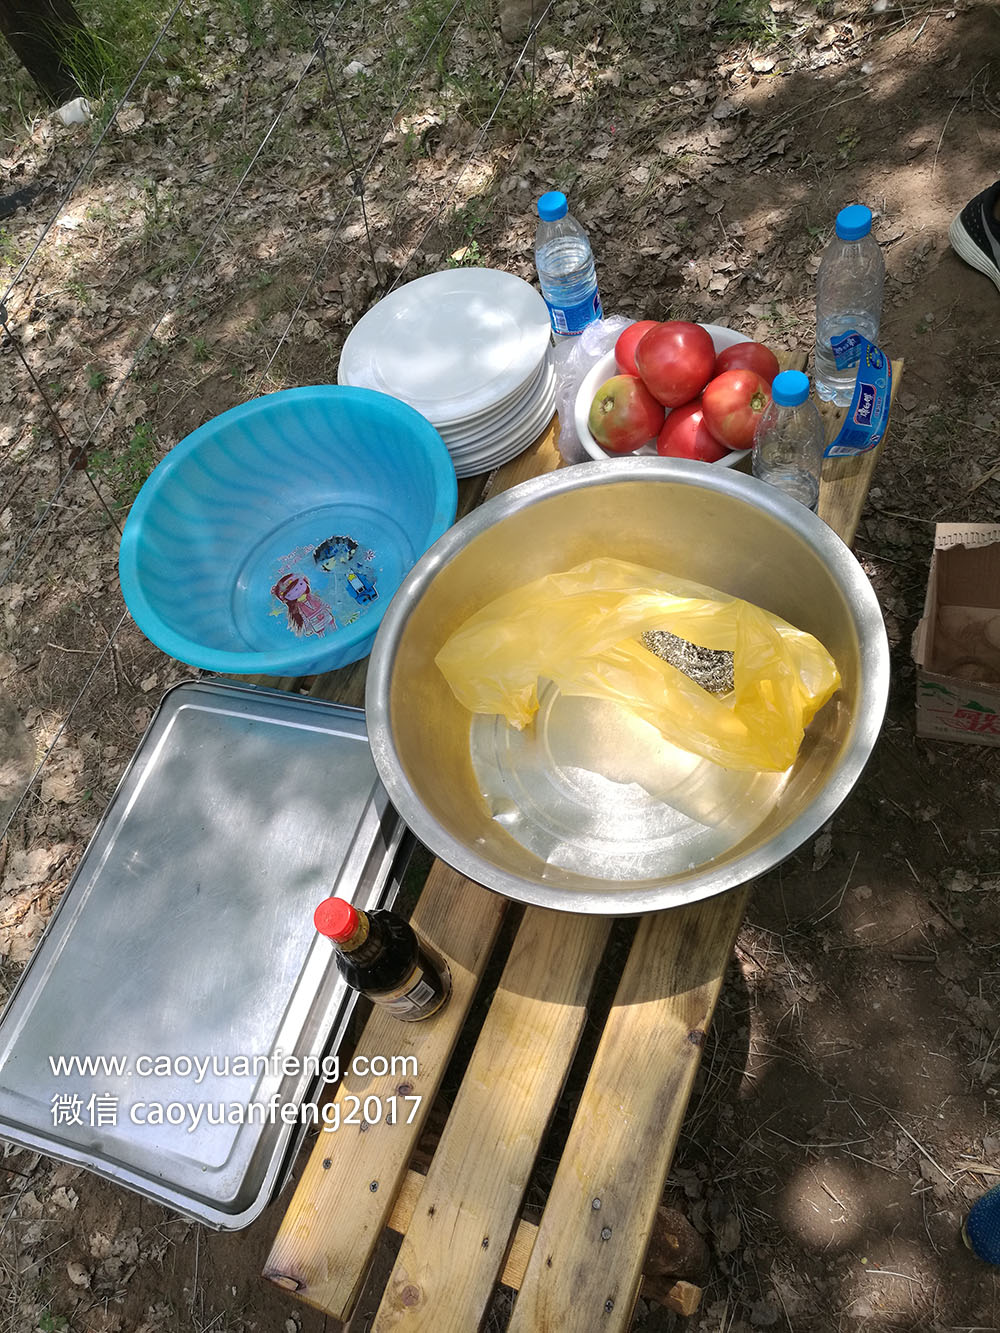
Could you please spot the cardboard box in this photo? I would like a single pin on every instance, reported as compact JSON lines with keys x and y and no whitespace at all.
{"x":956,"y":646}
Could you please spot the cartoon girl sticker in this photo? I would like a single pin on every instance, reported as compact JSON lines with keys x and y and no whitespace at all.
{"x":307,"y":613}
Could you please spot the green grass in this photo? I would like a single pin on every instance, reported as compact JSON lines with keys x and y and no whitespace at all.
{"x":743,"y":21}
{"x":10,"y":255}
{"x":123,"y":473}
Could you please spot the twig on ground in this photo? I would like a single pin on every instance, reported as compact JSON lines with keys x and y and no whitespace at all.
{"x":843,"y":891}
{"x":891,"y":1272}
{"x":920,"y":1148}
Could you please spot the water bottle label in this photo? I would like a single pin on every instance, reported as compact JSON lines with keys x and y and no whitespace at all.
{"x":848,"y":348}
{"x":575,"y":318}
{"x":868,"y":416}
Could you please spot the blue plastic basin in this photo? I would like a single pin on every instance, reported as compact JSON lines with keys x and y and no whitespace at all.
{"x":271,"y":539}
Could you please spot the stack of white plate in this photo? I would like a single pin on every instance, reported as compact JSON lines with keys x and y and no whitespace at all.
{"x":468,"y":348}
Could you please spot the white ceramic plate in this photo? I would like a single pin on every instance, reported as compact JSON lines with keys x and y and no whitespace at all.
{"x":533,"y":411}
{"x":506,"y":445}
{"x":606,"y":367}
{"x":503,"y":417}
{"x":509,"y":450}
{"x":451,"y":344}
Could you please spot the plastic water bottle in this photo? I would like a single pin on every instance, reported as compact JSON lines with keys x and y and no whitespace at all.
{"x":848,"y":297}
{"x":565,"y":266}
{"x":789,"y":440}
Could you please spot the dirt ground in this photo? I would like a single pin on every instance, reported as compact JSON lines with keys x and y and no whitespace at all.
{"x":846,"y":1111}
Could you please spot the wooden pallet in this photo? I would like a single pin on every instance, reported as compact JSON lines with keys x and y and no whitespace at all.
{"x":581,"y":1268}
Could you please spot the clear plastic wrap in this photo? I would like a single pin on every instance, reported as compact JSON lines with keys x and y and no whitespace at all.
{"x":573,"y":358}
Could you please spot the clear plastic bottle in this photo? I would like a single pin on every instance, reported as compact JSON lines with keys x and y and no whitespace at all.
{"x":789,"y":440}
{"x":565,"y":265}
{"x":848,"y":296}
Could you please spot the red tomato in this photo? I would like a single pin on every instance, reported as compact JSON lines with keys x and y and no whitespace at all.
{"x":733,"y":404}
{"x":626,"y":345}
{"x":624,"y":414}
{"x":675,"y":360}
{"x":748,"y":356}
{"x":685,"y":435}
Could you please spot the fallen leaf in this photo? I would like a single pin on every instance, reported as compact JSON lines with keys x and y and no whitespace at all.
{"x":129,"y":119}
{"x":822,"y":850}
{"x":728,"y":1234}
{"x":725,"y":108}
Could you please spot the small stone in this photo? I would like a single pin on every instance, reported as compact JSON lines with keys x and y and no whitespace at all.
{"x":77,"y":1274}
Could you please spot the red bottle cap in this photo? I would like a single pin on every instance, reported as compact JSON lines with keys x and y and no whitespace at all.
{"x":336,"y":918}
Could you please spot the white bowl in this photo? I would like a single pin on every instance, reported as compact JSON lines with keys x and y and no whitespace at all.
{"x":606,"y":367}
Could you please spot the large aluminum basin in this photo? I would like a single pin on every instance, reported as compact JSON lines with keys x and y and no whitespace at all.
{"x":708,"y":524}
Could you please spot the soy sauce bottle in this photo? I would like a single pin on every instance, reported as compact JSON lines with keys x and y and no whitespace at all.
{"x":378,"y":954}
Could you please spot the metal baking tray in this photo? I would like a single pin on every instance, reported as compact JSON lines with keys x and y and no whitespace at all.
{"x":185,"y":934}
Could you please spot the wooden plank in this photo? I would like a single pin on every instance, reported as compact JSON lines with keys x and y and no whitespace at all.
{"x":324,"y":1245}
{"x":846,"y":480}
{"x":291,"y":684}
{"x":541,"y":457}
{"x":586,"y":1266}
{"x":454,"y":1249}
{"x":314,"y":1253}
{"x":682,"y":1297}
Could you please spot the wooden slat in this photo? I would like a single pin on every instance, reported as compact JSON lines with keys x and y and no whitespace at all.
{"x":327,"y":1236}
{"x":454,"y":1249}
{"x":541,"y":457}
{"x":324,"y":1245}
{"x":291,"y":684}
{"x":586,"y":1266}
{"x":682,"y":1297}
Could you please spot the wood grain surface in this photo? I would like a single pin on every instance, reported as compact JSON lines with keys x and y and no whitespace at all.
{"x":454,"y":1248}
{"x":586,"y":1266}
{"x":349,"y":1185}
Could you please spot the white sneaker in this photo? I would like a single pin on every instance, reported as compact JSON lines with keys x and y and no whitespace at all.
{"x":975,"y":234}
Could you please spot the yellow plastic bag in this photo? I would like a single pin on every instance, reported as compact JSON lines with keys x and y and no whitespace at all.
{"x":581,"y":629}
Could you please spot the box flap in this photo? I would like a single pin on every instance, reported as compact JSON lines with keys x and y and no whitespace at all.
{"x":967,"y":561}
{"x":947,"y":535}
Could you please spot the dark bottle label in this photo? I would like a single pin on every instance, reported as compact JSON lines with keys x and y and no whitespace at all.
{"x":392,"y":968}
{"x":421,"y":993}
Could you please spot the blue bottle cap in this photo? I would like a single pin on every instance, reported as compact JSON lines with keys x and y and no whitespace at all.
{"x":552,"y":206}
{"x":854,"y":222}
{"x":790,"y":388}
